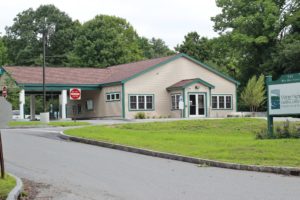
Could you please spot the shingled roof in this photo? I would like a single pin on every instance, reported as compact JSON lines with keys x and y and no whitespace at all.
{"x":72,"y":75}
{"x":95,"y":76}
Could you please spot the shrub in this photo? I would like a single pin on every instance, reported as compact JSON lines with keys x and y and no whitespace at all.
{"x":286,"y":130}
{"x":140,"y":115}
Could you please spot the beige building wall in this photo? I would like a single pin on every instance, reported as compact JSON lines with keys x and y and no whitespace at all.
{"x":101,"y":107}
{"x":156,"y":81}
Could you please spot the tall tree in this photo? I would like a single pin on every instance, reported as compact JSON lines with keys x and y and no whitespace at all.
{"x":216,"y":52}
{"x":195,"y":46}
{"x":105,"y":40}
{"x":24,"y":37}
{"x":154,"y":48}
{"x":3,"y":53}
{"x":255,"y":28}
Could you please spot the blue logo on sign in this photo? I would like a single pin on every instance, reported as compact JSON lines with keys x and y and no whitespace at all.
{"x":275,"y":99}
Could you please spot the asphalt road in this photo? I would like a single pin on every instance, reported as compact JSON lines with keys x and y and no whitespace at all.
{"x":75,"y":171}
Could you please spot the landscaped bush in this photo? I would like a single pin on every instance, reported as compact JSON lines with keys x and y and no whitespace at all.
{"x":140,"y":115}
{"x":285,"y":130}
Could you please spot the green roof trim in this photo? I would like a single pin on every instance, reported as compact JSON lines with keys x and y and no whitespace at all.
{"x":180,"y":55}
{"x":209,"y":68}
{"x":197,"y":80}
{"x":58,"y":87}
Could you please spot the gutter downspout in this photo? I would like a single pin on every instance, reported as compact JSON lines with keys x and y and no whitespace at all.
{"x":123,"y":101}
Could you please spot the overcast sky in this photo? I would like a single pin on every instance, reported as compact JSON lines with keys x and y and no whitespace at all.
{"x":170,"y":20}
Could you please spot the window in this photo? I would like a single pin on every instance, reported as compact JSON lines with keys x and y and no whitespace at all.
{"x":114,"y":96}
{"x":141,"y":102}
{"x":89,"y":105}
{"x":149,"y":102}
{"x":214,"y":102}
{"x":221,"y":101}
{"x":132,"y":100}
{"x":175,"y":101}
{"x":228,"y":102}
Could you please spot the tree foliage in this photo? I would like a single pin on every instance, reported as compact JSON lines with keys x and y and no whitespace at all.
{"x":196,"y":46}
{"x":3,"y":53}
{"x":105,"y":40}
{"x":100,"y":42}
{"x":263,"y":33}
{"x":216,"y":52}
{"x":253,"y":94}
{"x":24,"y":37}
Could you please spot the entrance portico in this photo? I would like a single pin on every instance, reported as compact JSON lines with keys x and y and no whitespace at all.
{"x":53,"y":91}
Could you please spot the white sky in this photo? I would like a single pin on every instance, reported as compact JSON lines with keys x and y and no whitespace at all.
{"x":169,"y":20}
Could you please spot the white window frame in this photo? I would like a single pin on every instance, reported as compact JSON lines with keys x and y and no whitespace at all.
{"x":176,"y":103}
{"x":225,"y":101}
{"x":112,"y":96}
{"x":137,"y":102}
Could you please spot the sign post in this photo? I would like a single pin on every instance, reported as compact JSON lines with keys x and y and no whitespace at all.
{"x":181,"y":106}
{"x":75,"y":95}
{"x":283,"y":97}
{"x":5,"y":117}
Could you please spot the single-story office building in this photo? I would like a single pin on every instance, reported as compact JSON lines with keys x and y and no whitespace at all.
{"x":154,"y":86}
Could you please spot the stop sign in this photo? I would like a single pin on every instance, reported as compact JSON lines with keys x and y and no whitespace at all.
{"x":4,"y":91}
{"x":75,"y":94}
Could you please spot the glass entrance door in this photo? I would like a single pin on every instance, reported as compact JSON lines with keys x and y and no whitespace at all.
{"x":197,"y":105}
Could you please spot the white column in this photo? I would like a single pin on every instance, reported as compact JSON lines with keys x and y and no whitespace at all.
{"x":22,"y":103}
{"x":32,"y":107}
{"x":64,"y":99}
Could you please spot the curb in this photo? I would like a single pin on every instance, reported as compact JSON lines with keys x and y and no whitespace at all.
{"x":27,"y":127}
{"x":15,"y":193}
{"x":212,"y":163}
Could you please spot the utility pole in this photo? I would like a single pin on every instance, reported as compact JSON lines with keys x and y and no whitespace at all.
{"x":44,"y":66}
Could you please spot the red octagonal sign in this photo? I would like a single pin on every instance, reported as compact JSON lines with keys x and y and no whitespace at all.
{"x":75,"y":94}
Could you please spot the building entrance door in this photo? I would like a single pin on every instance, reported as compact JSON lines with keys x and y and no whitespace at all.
{"x":197,"y":105}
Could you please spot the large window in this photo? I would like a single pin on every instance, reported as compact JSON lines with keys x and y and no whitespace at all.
{"x":114,"y":96}
{"x":221,"y":101}
{"x":175,"y":98}
{"x":141,"y":102}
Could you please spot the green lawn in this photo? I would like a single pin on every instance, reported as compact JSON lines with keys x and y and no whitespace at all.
{"x":6,"y":185}
{"x":37,"y":123}
{"x":231,"y":140}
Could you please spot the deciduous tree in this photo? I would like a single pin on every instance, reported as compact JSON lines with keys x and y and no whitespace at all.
{"x":253,"y":95}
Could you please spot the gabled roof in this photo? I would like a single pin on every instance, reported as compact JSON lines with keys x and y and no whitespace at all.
{"x":187,"y":82}
{"x":96,"y":76}
{"x":72,"y":75}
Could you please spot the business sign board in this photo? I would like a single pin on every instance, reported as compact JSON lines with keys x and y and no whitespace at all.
{"x":284,"y":99}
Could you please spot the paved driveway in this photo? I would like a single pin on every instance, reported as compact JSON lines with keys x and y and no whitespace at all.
{"x":84,"y":172}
